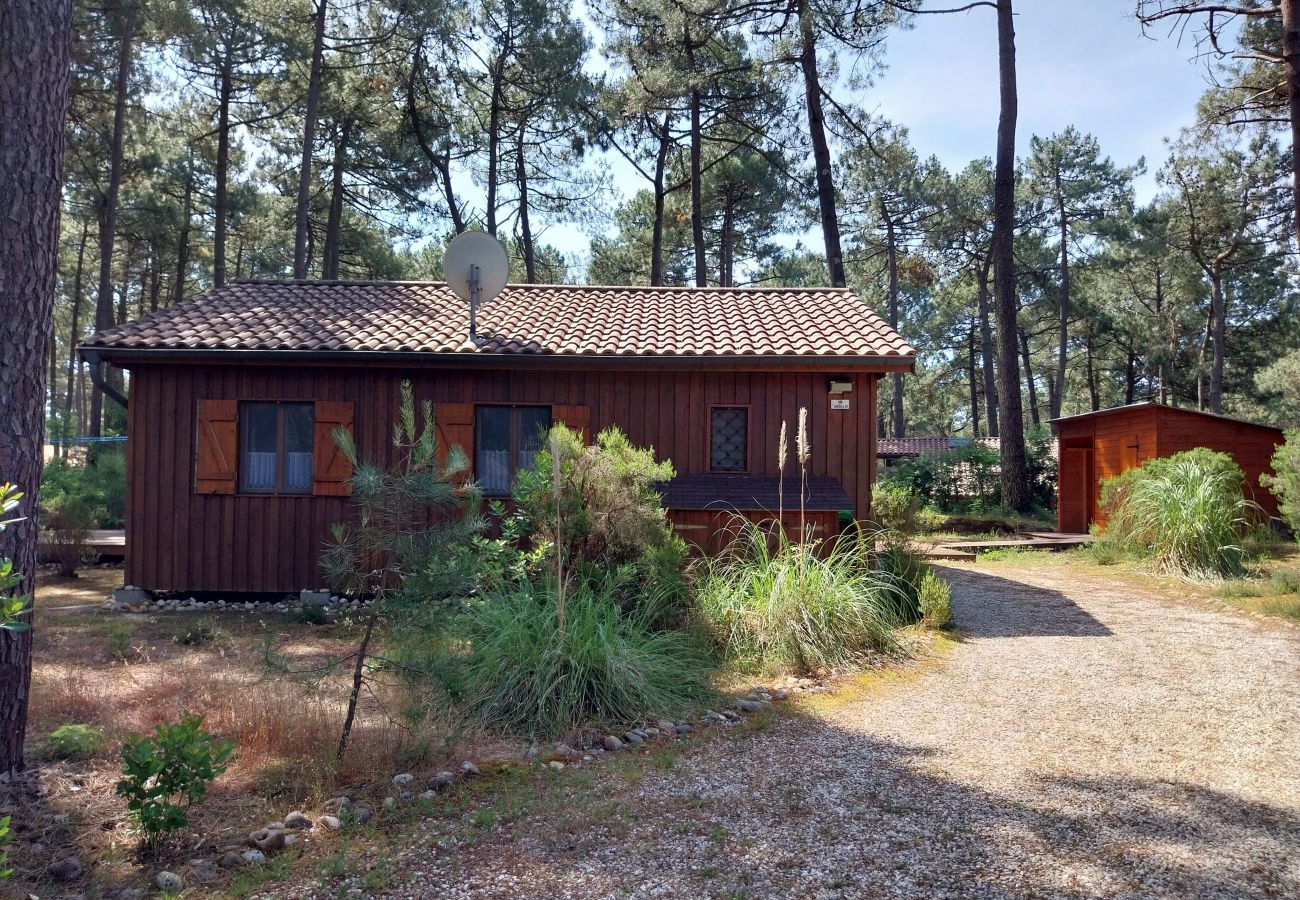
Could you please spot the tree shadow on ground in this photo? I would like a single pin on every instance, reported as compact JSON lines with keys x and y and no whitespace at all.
{"x":1008,"y":608}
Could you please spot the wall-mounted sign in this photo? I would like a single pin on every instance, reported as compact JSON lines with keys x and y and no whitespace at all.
{"x":839,"y":403}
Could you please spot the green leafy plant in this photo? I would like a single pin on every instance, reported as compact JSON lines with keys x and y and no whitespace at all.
{"x":13,"y":606}
{"x":165,"y":774}
{"x":535,"y":669}
{"x":772,"y":603}
{"x":117,"y":641}
{"x":197,"y":633}
{"x":98,"y":486}
{"x":895,"y":507}
{"x":935,"y":601}
{"x":5,"y":839}
{"x":75,"y":741}
{"x":1285,"y":480}
{"x":1185,"y":513}
{"x":67,"y":520}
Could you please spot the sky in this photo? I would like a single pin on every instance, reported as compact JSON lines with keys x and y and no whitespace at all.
{"x":1079,"y":62}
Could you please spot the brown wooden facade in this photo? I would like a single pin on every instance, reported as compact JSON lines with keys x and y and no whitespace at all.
{"x":190,"y":529}
{"x":1100,"y":445}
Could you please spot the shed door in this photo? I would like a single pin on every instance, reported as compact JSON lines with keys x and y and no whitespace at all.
{"x":1076,"y":489}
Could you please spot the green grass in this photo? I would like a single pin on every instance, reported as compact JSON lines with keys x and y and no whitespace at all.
{"x":530,"y":670}
{"x":784,"y":607}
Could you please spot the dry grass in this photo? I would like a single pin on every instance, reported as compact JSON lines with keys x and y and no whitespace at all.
{"x":125,"y":673}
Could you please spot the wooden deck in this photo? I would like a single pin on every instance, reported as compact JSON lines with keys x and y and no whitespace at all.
{"x":101,"y":541}
{"x":1028,"y":540}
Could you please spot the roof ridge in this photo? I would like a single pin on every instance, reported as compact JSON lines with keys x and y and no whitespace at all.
{"x":344,"y":282}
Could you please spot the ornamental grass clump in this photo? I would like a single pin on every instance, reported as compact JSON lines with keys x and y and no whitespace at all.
{"x":1184,"y":513}
{"x":773,"y":604}
{"x":544,"y":663}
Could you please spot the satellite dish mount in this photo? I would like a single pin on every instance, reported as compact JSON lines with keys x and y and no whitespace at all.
{"x":476,"y":268}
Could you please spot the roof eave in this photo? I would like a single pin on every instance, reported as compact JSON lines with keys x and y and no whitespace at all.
{"x":125,"y":356}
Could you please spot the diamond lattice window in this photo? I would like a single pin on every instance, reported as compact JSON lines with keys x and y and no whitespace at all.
{"x":729,"y":439}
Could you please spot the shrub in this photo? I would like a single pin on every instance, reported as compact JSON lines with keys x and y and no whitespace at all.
{"x":543,"y":664}
{"x":5,"y":839}
{"x":905,"y":571}
{"x":1285,"y":480}
{"x":68,"y":520}
{"x":100,"y":485}
{"x":609,"y":512}
{"x":75,"y":741}
{"x":164,"y":775}
{"x":198,"y":633}
{"x":13,"y":606}
{"x":118,"y":640}
{"x":1186,"y":513}
{"x":935,"y":601}
{"x":895,"y":506}
{"x":966,"y":478}
{"x":788,"y":607}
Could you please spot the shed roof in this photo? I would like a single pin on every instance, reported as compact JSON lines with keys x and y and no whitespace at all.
{"x":1160,"y":407}
{"x":808,"y":325}
{"x":897,"y":448}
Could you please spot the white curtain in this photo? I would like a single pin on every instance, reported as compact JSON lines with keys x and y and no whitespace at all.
{"x":260,"y":471}
{"x":297,"y":471}
{"x":494,"y":471}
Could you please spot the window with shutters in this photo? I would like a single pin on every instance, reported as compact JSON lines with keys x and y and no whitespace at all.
{"x":729,"y":439}
{"x":275,"y":447}
{"x":506,"y":439}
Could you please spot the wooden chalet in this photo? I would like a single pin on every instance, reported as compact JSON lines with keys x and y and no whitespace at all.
{"x":233,"y":479}
{"x":1098,"y":445}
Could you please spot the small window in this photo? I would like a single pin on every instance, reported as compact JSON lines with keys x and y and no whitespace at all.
{"x":729,"y":439}
{"x":506,"y":440}
{"x":276,"y":447}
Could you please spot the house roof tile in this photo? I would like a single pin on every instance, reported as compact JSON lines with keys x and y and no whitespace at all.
{"x":525,"y":320}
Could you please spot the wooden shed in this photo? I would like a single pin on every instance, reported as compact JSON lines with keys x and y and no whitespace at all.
{"x":233,"y":479}
{"x":1099,"y":445}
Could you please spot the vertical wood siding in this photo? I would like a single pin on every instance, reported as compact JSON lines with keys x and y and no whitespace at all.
{"x":180,"y":540}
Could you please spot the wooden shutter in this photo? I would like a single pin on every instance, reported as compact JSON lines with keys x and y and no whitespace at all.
{"x":217,"y":447}
{"x":575,"y":418}
{"x":454,"y":423}
{"x":331,"y":470}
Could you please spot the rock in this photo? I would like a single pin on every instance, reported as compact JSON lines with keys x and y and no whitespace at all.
{"x":780,"y":694}
{"x":441,"y":781}
{"x":127,"y":596}
{"x":633,"y":739}
{"x":748,"y":706}
{"x":253,"y":857}
{"x":169,"y":882}
{"x":406,"y":796}
{"x":683,"y":728}
{"x":297,"y":819}
{"x":390,"y":803}
{"x":532,"y":753}
{"x":291,"y":839}
{"x":565,"y":751}
{"x":337,"y":805}
{"x":404,"y":779}
{"x":362,"y":814}
{"x":267,"y":840}
{"x":233,"y":859}
{"x":612,"y":744}
{"x":67,"y":869}
{"x":650,"y":732}
{"x":469,"y":770}
{"x":556,"y":765}
{"x":203,"y":870}
{"x":428,"y":796}
{"x":333,"y":823}
{"x":126,"y":893}
{"x":665,"y":726}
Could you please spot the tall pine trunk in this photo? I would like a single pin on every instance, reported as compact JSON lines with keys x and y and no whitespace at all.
{"x":1291,"y":60}
{"x":301,"y":218}
{"x":35,"y":45}
{"x":820,"y":147}
{"x":972,"y":381}
{"x":1063,"y":308}
{"x":697,"y":168}
{"x":525,"y":227}
{"x":108,"y":203}
{"x":220,"y":203}
{"x":1029,"y":379}
{"x":1015,"y":476}
{"x":727,"y":241}
{"x":657,"y":228}
{"x":334,"y":221}
{"x":891,"y":259}
{"x":986,"y":348}
{"x":75,"y":332}
{"x":1218,"y":315}
{"x":183,"y":239}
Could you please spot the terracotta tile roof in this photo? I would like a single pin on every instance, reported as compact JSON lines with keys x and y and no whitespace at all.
{"x":890,"y":448}
{"x":751,"y":492}
{"x":523,"y":320}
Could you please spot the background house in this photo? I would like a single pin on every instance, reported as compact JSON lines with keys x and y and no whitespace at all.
{"x":1098,"y":445}
{"x":233,"y":479}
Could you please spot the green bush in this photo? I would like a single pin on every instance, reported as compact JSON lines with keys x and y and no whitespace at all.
{"x":75,"y":741}
{"x":117,"y":641}
{"x":609,"y":512}
{"x":541,"y":665}
{"x":905,"y":570}
{"x":1285,"y":480}
{"x":1186,"y":513}
{"x":100,"y":485}
{"x":13,"y":606}
{"x":68,"y":520}
{"x":5,"y":839}
{"x":198,"y":633}
{"x":966,"y":478}
{"x":935,"y":601}
{"x":895,"y":506}
{"x":787,"y":607}
{"x":166,"y":774}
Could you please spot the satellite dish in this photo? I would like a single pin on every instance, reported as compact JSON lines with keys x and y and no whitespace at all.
{"x":475,"y":267}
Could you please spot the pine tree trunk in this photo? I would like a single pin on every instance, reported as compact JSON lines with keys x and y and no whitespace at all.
{"x":1130,"y":378}
{"x":35,"y":45}
{"x":891,"y":260}
{"x":1094,"y":398}
{"x":986,"y":348}
{"x":1063,"y":308}
{"x":75,"y":332}
{"x":727,"y":241}
{"x":220,"y":213}
{"x":334,"y":222}
{"x":301,"y":218}
{"x":657,"y":228}
{"x":1015,"y":476}
{"x":183,"y":239}
{"x":497,"y":73}
{"x":696,"y":155}
{"x":1219,"y":338}
{"x":525,"y":228}
{"x":972,"y":381}
{"x":108,"y":203}
{"x":1029,"y":379}
{"x":1291,"y":58}
{"x":821,"y":148}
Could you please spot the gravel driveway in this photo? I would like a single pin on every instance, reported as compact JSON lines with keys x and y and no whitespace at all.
{"x":1083,"y":740}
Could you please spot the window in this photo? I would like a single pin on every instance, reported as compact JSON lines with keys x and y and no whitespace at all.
{"x":729,"y":439}
{"x":506,"y":440}
{"x":276,"y":447}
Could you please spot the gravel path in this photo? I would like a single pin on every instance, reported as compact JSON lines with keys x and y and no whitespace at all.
{"x":1083,"y":740}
